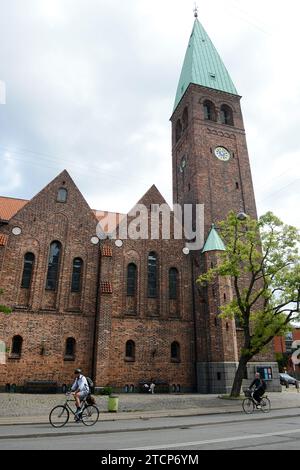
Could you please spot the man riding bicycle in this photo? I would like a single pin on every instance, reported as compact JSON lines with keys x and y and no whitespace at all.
{"x":260,"y":388}
{"x":80,"y":390}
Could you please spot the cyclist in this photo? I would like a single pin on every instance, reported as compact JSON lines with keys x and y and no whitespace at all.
{"x":80,"y":390}
{"x":260,"y":388}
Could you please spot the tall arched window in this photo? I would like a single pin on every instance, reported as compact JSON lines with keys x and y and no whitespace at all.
{"x":16,"y":348}
{"x":53,"y":266}
{"x":27,"y":270}
{"x":77,"y":275}
{"x":130,"y":351}
{"x":152,"y":275}
{"x":173,"y":284}
{"x":185,"y":118}
{"x":226,"y":115}
{"x":178,"y":130}
{"x":175,"y":352}
{"x":131,"y":280}
{"x":62,"y":195}
{"x":70,"y":348}
{"x":209,"y":111}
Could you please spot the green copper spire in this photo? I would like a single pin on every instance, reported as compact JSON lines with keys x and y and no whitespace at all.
{"x":203,"y":65}
{"x":213,"y":242}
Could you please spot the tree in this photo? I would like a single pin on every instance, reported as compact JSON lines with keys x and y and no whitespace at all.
{"x":3,"y":308}
{"x":262,"y":258}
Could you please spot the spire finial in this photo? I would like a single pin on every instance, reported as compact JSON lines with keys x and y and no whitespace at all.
{"x":196,"y":11}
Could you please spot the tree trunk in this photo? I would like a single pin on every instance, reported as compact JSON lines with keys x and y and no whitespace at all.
{"x":239,"y":375}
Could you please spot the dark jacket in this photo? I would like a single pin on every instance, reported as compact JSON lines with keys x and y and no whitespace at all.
{"x":259,"y":384}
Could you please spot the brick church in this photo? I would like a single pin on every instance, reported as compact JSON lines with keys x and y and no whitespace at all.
{"x":132,"y":311}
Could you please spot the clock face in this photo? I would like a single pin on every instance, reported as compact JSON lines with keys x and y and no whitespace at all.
{"x":222,"y":154}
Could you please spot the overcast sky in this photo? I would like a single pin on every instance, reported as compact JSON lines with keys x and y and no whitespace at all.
{"x":90,"y":87}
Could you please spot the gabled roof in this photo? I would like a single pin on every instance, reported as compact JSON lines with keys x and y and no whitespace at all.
{"x":213,"y":242}
{"x":203,"y":66}
{"x":152,"y":196}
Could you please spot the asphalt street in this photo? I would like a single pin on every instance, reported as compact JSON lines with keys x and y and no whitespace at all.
{"x":278,"y":430}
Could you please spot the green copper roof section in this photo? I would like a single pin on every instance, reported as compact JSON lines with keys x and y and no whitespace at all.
{"x":213,"y":242}
{"x":203,"y":65}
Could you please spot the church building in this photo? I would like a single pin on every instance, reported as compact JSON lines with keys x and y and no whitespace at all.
{"x":130,"y":310}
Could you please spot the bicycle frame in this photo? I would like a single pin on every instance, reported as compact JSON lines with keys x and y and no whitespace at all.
{"x":68,"y":400}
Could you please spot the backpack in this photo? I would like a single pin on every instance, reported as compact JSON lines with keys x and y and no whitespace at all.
{"x":90,"y":383}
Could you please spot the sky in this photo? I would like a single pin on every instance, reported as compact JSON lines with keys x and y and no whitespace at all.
{"x":90,"y":87}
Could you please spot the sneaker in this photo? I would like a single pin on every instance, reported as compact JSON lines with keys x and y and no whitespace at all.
{"x":258,"y":407}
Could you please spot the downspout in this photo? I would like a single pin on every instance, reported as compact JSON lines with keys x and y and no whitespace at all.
{"x":195,"y":323}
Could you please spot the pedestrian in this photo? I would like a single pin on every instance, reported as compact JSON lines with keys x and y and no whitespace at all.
{"x":152,"y":386}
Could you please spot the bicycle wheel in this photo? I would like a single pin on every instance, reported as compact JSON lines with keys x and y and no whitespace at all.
{"x":265,"y":405}
{"x":59,"y":416}
{"x":248,"y":406}
{"x":90,"y":415}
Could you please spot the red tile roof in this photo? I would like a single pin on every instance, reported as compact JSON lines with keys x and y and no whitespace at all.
{"x":3,"y":239}
{"x":10,"y":206}
{"x":109,"y":220}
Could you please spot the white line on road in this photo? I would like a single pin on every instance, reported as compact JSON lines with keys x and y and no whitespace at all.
{"x":215,"y":441}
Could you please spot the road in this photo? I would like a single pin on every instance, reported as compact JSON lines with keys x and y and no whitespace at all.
{"x":278,"y":430}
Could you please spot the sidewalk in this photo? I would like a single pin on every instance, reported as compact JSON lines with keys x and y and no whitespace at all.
{"x":34,"y":409}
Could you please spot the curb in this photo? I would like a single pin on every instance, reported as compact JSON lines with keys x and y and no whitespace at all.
{"x":127,"y":417}
{"x":117,"y":431}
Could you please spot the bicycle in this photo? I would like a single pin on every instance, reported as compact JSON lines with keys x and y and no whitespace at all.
{"x":249,"y":404}
{"x":59,"y":415}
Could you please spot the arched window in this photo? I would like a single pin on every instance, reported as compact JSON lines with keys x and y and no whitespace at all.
{"x":226,"y":115}
{"x":175,"y":352}
{"x":77,"y":275}
{"x":173,"y":284}
{"x":152,"y":275}
{"x":53,"y":266}
{"x":130,"y":351}
{"x":70,"y":347}
{"x":185,"y":118}
{"x":16,"y":348}
{"x":62,"y":195}
{"x":27,"y":270}
{"x":178,"y":130}
{"x":209,"y":111}
{"x":131,"y":279}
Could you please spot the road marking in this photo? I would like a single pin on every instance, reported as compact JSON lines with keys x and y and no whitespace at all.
{"x":216,"y":441}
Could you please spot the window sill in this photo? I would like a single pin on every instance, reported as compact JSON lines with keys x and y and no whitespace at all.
{"x":14,"y":357}
{"x":177,"y":361}
{"x":129,"y":359}
{"x":69,"y":358}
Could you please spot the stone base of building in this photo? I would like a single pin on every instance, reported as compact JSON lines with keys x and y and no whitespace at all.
{"x":217,"y":377}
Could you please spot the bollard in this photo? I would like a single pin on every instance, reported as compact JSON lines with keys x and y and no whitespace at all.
{"x":113,"y":403}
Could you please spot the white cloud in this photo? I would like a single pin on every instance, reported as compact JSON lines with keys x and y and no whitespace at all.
{"x":92,"y":86}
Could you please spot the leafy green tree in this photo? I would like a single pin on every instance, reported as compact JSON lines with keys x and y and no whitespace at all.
{"x":262,"y":258}
{"x":3,"y":308}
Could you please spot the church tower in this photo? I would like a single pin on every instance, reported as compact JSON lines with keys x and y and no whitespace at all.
{"x":209,"y":149}
{"x":210,"y":167}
